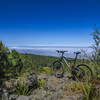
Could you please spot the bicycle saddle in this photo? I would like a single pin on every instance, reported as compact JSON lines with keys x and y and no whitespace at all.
{"x":77,"y":53}
{"x":61,"y":51}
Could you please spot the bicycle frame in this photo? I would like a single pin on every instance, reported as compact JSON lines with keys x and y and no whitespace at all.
{"x":63,"y":58}
{"x":76,"y":70}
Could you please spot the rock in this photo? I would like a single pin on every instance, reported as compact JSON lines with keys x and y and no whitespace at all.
{"x":39,"y":94}
{"x":5,"y":95}
{"x":60,"y":75}
{"x":32,"y":81}
{"x":24,"y":98}
{"x":52,"y":90}
{"x":73,"y":97}
{"x":69,"y":98}
{"x":55,"y":89}
{"x":13,"y":97}
{"x":7,"y":84}
{"x":44,"y":77}
{"x":55,"y":96}
{"x":0,"y":95}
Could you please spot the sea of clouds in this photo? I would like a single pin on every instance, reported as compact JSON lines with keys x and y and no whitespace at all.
{"x":51,"y":50}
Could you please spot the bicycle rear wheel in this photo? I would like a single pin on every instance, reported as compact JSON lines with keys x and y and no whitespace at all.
{"x":58,"y":69}
{"x":84,"y":73}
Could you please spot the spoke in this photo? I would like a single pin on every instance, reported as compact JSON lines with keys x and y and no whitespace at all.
{"x":57,"y":68}
{"x":84,"y":73}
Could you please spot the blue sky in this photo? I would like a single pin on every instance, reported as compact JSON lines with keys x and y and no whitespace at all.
{"x":48,"y":22}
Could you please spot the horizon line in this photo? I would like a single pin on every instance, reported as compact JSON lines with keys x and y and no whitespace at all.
{"x":38,"y":44}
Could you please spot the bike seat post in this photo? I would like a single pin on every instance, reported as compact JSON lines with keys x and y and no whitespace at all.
{"x":75,"y":58}
{"x":62,"y":54}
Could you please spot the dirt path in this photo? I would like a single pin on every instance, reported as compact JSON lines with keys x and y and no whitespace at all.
{"x":55,"y":89}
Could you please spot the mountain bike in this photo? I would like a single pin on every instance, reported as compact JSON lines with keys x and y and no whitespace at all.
{"x":80,"y":71}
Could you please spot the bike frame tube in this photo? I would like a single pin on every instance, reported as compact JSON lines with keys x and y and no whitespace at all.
{"x":75,"y":59}
{"x":64,"y":59}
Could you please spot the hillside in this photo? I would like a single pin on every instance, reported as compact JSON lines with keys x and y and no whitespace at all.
{"x":29,"y":77}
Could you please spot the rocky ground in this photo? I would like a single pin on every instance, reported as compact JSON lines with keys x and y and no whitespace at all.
{"x":53,"y":89}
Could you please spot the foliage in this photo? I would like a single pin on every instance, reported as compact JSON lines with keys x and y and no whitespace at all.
{"x":4,"y":62}
{"x":89,"y":90}
{"x":72,"y":88}
{"x":14,"y":64}
{"x":85,"y":88}
{"x":41,"y":82}
{"x":95,"y":59}
{"x":44,"y":70}
{"x":37,"y":60}
{"x":79,"y":87}
{"x":21,"y":89}
{"x":16,"y":61}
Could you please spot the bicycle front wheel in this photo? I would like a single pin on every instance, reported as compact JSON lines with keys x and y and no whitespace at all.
{"x":84,"y":73}
{"x":58,"y":68}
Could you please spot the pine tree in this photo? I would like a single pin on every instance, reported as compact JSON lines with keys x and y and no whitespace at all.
{"x":4,"y":62}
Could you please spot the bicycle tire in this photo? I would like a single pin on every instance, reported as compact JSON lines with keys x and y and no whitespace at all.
{"x":59,"y":75}
{"x":84,"y":67}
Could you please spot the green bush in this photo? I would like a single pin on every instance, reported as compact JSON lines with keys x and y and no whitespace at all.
{"x":21,"y":89}
{"x":95,"y":59}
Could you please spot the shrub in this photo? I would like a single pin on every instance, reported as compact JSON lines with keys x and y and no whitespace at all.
{"x":41,"y":82}
{"x":95,"y":59}
{"x":21,"y":89}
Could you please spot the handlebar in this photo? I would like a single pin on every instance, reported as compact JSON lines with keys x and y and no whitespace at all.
{"x":67,"y":51}
{"x":61,"y":51}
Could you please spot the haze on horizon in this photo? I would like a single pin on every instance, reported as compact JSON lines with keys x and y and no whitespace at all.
{"x":48,"y":22}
